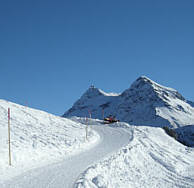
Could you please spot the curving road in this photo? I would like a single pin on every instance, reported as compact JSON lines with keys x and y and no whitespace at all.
{"x":65,"y":173}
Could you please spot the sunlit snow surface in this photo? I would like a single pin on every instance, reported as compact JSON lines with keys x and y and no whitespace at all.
{"x":146,"y":157}
{"x":151,"y":159}
{"x":37,"y":139}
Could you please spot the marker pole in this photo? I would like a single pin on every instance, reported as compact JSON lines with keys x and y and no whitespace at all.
{"x":9,"y":140}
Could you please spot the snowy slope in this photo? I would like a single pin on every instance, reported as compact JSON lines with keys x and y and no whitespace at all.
{"x":151,"y":159}
{"x":64,"y":173}
{"x":134,"y":156}
{"x":37,"y":138}
{"x":144,"y":103}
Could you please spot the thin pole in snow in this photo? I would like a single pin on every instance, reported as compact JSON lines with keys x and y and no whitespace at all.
{"x":102,"y":114}
{"x":9,"y":140}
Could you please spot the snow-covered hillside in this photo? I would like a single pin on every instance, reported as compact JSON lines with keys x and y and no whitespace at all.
{"x":144,"y":103}
{"x":38,"y":138}
{"x":125,"y":156}
{"x":151,"y":159}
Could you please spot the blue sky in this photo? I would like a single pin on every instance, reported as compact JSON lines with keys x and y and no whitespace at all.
{"x":52,"y":51}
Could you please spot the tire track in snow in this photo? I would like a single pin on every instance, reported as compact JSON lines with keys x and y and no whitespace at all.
{"x":65,"y":173}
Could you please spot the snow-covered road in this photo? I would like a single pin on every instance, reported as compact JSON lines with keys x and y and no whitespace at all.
{"x":65,"y":173}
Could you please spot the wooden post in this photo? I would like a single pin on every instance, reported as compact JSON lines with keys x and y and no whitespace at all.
{"x":9,"y":140}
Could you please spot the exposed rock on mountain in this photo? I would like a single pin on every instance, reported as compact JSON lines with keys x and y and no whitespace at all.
{"x":144,"y":103}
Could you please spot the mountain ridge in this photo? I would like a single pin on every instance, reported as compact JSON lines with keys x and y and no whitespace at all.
{"x":145,"y":102}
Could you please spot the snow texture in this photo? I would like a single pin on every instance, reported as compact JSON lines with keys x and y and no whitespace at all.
{"x":37,"y":139}
{"x":50,"y":151}
{"x":63,"y":174}
{"x":151,"y":159}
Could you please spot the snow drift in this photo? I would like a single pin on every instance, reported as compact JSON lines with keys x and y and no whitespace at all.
{"x":38,"y":138}
{"x":151,"y":159}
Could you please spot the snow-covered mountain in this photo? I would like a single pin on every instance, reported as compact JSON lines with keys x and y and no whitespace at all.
{"x":144,"y":103}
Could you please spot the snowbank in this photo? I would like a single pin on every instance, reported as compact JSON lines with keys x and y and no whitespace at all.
{"x":38,"y":138}
{"x":151,"y":159}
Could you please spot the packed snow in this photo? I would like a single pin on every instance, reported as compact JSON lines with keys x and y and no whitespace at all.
{"x":64,"y":173}
{"x":38,"y":139}
{"x":151,"y":159}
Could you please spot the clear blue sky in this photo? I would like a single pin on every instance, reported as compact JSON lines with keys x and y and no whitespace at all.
{"x":52,"y":51}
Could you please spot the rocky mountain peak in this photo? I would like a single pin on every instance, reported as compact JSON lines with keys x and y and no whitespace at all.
{"x":92,"y":92}
{"x":144,"y":103}
{"x":145,"y":87}
{"x":142,"y":81}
